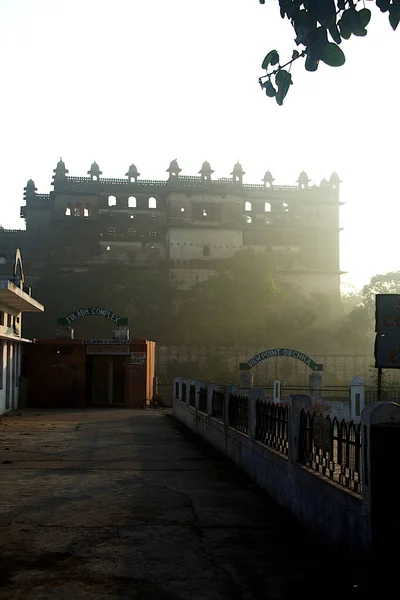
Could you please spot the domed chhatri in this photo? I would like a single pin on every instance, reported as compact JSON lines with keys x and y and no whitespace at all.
{"x":173,"y":168}
{"x":334,"y":181}
{"x":268,"y":179}
{"x":132,"y":173}
{"x":30,"y":189}
{"x":324,"y":183}
{"x":206,"y":171}
{"x":60,"y":171}
{"x":303,"y":180}
{"x":95,"y":172}
{"x":237,"y":173}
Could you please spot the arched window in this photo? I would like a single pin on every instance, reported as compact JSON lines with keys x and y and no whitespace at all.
{"x":132,"y":202}
{"x":267,"y":207}
{"x":86,"y":212}
{"x":77,"y":211}
{"x":152,"y":202}
{"x":68,"y":211}
{"x":108,"y":248}
{"x":248,"y":219}
{"x":112,"y":201}
{"x":285,"y":207}
{"x":247,"y":206}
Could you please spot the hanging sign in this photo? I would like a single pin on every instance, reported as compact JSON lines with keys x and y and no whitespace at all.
{"x":138,"y":358}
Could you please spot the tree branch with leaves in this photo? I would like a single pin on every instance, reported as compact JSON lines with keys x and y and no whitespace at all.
{"x":320,"y":27}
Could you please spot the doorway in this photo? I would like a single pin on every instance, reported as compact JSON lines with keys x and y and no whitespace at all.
{"x":105,"y":380}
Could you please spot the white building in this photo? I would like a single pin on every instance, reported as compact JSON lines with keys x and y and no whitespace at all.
{"x":15,"y":298}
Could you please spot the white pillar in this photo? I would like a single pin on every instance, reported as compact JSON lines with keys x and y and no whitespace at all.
{"x":315,"y":385}
{"x":357,"y":398}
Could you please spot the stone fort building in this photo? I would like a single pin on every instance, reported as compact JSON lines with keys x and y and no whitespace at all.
{"x":186,"y":223}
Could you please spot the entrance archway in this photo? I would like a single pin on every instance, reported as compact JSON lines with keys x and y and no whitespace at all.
{"x":92,"y":311}
{"x":287,"y":352}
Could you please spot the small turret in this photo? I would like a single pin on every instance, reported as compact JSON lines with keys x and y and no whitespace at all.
{"x":206,"y":171}
{"x":237,"y":173}
{"x":268,"y":179}
{"x":132,"y":173}
{"x":60,"y":172}
{"x":334,"y":181}
{"x":173,"y":168}
{"x":30,"y":190}
{"x":324,"y":183}
{"x":303,"y":181}
{"x":94,"y":172}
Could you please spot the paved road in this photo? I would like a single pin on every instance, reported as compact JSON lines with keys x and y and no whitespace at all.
{"x":123,"y":504}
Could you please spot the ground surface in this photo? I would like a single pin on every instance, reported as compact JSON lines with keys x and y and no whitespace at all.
{"x":124,"y":504}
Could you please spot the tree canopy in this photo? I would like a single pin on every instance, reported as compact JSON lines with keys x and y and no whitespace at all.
{"x":320,"y":27}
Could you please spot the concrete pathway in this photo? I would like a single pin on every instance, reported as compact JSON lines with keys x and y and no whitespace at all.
{"x":124,"y":504}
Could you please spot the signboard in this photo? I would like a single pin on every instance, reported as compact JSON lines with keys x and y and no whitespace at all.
{"x":322,"y":433}
{"x":281,"y":352}
{"x":387,"y":350}
{"x":111,"y":350}
{"x":92,"y":311}
{"x":117,"y":341}
{"x":387,"y":313}
{"x":387,"y":326}
{"x":138,"y":358}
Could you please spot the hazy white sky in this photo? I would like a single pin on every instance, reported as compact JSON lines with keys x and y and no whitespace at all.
{"x":145,"y":82}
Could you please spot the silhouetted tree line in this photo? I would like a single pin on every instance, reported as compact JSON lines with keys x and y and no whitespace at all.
{"x":245,"y":303}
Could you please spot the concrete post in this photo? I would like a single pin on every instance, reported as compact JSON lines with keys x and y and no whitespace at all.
{"x":246,"y":381}
{"x":210,"y":389}
{"x":199,"y":384}
{"x":357,"y":398}
{"x":277,"y":391}
{"x":315,"y":386}
{"x":230,"y":389}
{"x":253,"y":395}
{"x":296,"y":405}
{"x":177,"y":391}
{"x":121,"y":333}
{"x":190,"y":383}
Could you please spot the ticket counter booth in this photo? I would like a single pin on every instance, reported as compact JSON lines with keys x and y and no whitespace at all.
{"x":68,"y":373}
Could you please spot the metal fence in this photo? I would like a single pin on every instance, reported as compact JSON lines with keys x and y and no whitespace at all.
{"x":192,"y":395}
{"x":326,"y":392}
{"x":203,"y":400}
{"x":272,"y":425}
{"x":238,"y":413}
{"x":218,"y":401}
{"x":387,"y":395}
{"x":332,"y":448}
